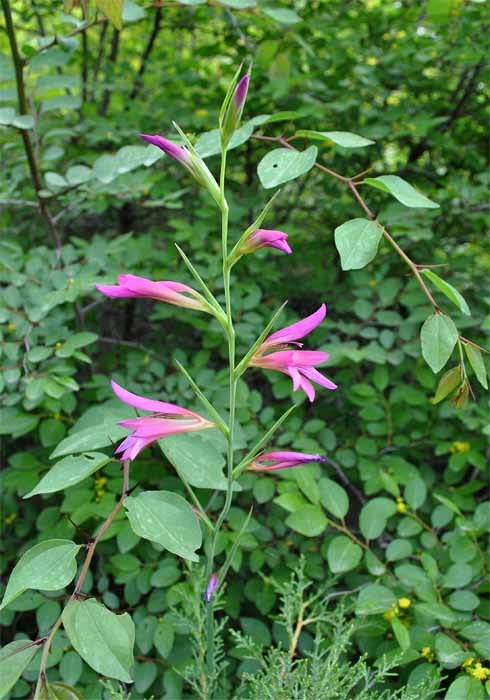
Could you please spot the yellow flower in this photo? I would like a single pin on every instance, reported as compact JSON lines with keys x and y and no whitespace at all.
{"x":404,"y":603}
{"x":426,"y":651}
{"x":393,"y":612}
{"x":458,"y":447}
{"x":401,"y":506}
{"x":468,"y":662}
{"x":9,"y":519}
{"x":480,"y":672}
{"x":371,"y":61}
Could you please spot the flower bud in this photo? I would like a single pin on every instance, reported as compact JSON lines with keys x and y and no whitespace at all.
{"x":234,"y":110}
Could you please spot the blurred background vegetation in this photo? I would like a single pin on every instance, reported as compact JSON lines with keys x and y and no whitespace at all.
{"x":95,"y":202}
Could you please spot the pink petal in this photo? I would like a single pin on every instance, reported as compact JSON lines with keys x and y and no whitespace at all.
{"x":114,"y":290}
{"x":308,"y":388}
{"x":169,"y":147}
{"x":317,"y":377}
{"x":149,"y":404}
{"x":299,"y":329}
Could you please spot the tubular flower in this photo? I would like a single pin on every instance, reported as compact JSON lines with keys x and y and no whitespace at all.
{"x":282,"y":460}
{"x":170,"y":292}
{"x":212,"y":586}
{"x":189,"y":159}
{"x":298,"y":364}
{"x":235,"y":109}
{"x":263,"y":238}
{"x":165,"y":419}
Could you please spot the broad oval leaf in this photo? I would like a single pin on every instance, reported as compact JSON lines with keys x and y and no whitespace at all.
{"x":343,"y":554}
{"x":13,"y":663}
{"x":438,"y":337}
{"x":282,"y":15}
{"x":308,"y":520}
{"x":103,"y":639}
{"x":449,"y":381}
{"x":401,"y":190}
{"x":465,"y":688}
{"x":48,"y":566}
{"x":197,"y":459}
{"x":283,"y":164}
{"x":346,"y":139}
{"x":357,"y":242}
{"x":209,"y":143}
{"x":69,"y":471}
{"x":374,"y":599}
{"x":373,"y":517}
{"x":166,"y":518}
{"x":333,"y":497}
{"x":450,"y":291}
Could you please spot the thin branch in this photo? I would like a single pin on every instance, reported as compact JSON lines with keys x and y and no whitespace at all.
{"x":138,"y":82}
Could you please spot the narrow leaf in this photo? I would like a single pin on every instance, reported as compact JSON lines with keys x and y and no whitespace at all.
{"x":449,"y":381}
{"x":401,"y":190}
{"x":476,"y":361}
{"x":346,"y":139}
{"x":449,"y":291}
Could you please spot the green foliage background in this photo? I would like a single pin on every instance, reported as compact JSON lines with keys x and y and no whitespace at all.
{"x":409,"y":76}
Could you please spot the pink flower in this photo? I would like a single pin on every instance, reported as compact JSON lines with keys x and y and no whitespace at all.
{"x":241,"y":94}
{"x":165,"y":419}
{"x":282,"y":460}
{"x":262,"y":238}
{"x":189,"y":159}
{"x":298,"y":364}
{"x":176,"y":152}
{"x":170,"y":292}
{"x":212,"y":586}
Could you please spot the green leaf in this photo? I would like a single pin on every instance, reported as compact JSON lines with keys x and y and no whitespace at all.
{"x":7,"y":116}
{"x":239,"y":4}
{"x":401,"y":190}
{"x":24,"y":121}
{"x":89,"y":438}
{"x":76,"y":175}
{"x":343,"y":554}
{"x":282,"y":15}
{"x":438,"y":337}
{"x":74,"y":342}
{"x":48,"y":566}
{"x":476,"y":361}
{"x":416,"y":492}
{"x":465,"y":688}
{"x":398,"y":549}
{"x":71,"y":667}
{"x":69,"y":471}
{"x":449,"y":381}
{"x":132,"y":12}
{"x":164,"y":637}
{"x":308,"y":520}
{"x":448,"y":290}
{"x":333,"y":497}
{"x":374,"y":599}
{"x":346,"y":139}
{"x":283,"y":164}
{"x":112,"y":9}
{"x":209,"y":143}
{"x":13,"y":665}
{"x":103,"y":639}
{"x":401,"y":633}
{"x":166,"y":518}
{"x":457,"y":576}
{"x":197,"y":459}
{"x":357,"y":242}
{"x":373,"y":517}
{"x":465,"y":601}
{"x":59,"y":691}
{"x":449,"y":652}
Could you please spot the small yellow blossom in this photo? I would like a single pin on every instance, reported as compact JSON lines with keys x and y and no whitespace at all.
{"x":427,"y":653}
{"x":458,"y":447}
{"x":9,"y":519}
{"x":372,"y":61}
{"x":393,"y":612}
{"x":404,"y":603}
{"x":468,"y":662}
{"x":11,"y":327}
{"x":401,"y":34}
{"x":480,"y":672}
{"x":201,"y":113}
{"x":401,"y":506}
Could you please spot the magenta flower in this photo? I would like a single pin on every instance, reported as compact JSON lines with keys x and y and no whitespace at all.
{"x":165,"y":419}
{"x":241,"y":95}
{"x":298,"y":364}
{"x":189,"y":159}
{"x":170,"y":292}
{"x":212,"y":586}
{"x":282,"y":460}
{"x":262,"y":238}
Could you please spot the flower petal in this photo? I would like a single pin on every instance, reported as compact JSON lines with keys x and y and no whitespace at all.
{"x":149,"y":404}
{"x":299,"y":329}
{"x":317,"y":377}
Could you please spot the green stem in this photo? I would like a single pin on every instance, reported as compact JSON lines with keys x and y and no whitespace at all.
{"x":230,"y":332}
